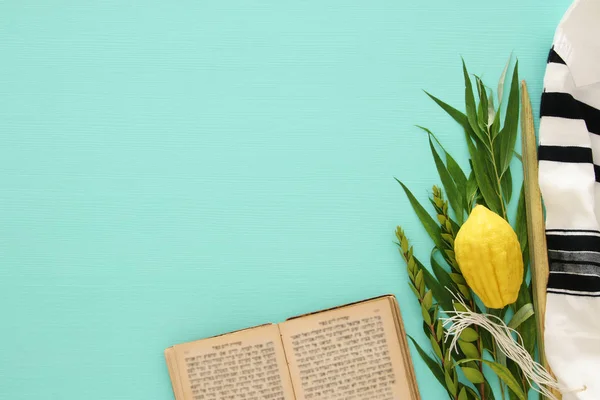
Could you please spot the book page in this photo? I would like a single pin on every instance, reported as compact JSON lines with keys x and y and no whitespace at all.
{"x":243,"y":365}
{"x":408,"y":364}
{"x":350,"y":353}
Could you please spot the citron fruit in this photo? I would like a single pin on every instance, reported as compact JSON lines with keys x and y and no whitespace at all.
{"x":489,"y":256}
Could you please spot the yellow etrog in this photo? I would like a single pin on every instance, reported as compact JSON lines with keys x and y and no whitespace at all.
{"x":489,"y":256}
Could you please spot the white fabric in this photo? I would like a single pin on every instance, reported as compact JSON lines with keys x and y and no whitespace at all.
{"x":572,"y":200}
{"x":576,"y":40}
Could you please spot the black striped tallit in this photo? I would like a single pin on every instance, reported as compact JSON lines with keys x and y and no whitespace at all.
{"x":573,"y":251}
{"x":569,"y":171}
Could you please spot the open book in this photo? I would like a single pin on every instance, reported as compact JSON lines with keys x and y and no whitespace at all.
{"x":353,"y":352}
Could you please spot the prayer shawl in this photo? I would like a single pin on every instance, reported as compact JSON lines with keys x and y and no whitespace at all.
{"x":569,"y":177}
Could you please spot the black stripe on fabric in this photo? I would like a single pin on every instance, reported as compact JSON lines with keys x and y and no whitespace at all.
{"x":574,"y":294}
{"x":597,"y":172}
{"x":573,"y":243}
{"x":578,"y":283}
{"x":553,"y":57}
{"x":568,"y":154}
{"x":563,"y":105}
{"x":573,"y":231}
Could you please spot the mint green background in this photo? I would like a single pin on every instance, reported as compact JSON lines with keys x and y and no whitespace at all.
{"x":177,"y":169}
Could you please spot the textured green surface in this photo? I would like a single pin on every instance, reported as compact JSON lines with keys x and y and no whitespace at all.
{"x":186,"y":168}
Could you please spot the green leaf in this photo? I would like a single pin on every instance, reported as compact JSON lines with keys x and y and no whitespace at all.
{"x":428,"y":300}
{"x":447,"y":362}
{"x":458,"y":279}
{"x":501,"y":80}
{"x":507,"y":377}
{"x":443,"y":297}
{"x":451,"y":383}
{"x":521,"y":316}
{"x":426,"y":316}
{"x":491,"y":110}
{"x":483,"y":176}
{"x":471,"y":192}
{"x":439,"y":330}
{"x":453,"y":112}
{"x":436,"y":347}
{"x":489,"y":393}
{"x":459,"y":307}
{"x":410,"y":265}
{"x":470,"y":106}
{"x":473,"y":375}
{"x":444,"y":282}
{"x":448,"y":239}
{"x":455,"y":226}
{"x":469,"y":335}
{"x":462,"y":395}
{"x":460,"y":214}
{"x":501,"y":371}
{"x":498,"y":157}
{"x":426,"y":329}
{"x":516,"y":371}
{"x":414,"y":290}
{"x":464,"y":122}
{"x":460,"y":117}
{"x":428,"y":222}
{"x":512,"y":396}
{"x":419,"y":283}
{"x":482,"y":108}
{"x":455,"y":170}
{"x":449,"y":186}
{"x":527,"y":329}
{"x":474,"y":396}
{"x":508,"y":134}
{"x":487,"y":339}
{"x":526,"y":260}
{"x":434,"y":367}
{"x":469,"y":349}
{"x":464,"y":290}
{"x":506,"y":183}
{"x":501,"y":357}
{"x":403,"y":243}
{"x":521,"y":220}
{"x":495,"y":127}
{"x":519,"y":157}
